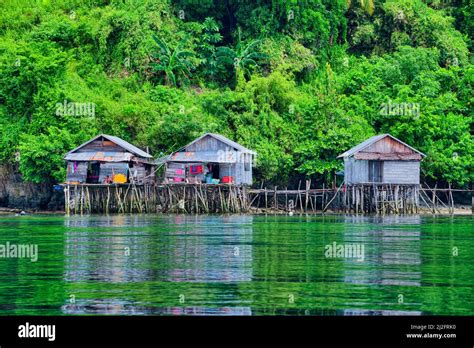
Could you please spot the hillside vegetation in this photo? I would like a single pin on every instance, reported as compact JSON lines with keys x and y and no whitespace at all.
{"x":297,"y":81}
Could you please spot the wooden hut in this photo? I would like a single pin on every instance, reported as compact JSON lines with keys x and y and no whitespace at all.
{"x":382,"y":176}
{"x":211,"y":158}
{"x":108,"y":159}
{"x":382,"y":159}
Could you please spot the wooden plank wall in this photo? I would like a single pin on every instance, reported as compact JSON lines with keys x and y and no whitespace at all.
{"x":388,"y":145}
{"x":142,"y":173}
{"x":99,"y":145}
{"x":401,"y":172}
{"x":111,"y":168}
{"x":208,"y":143}
{"x":355,"y":171}
{"x":246,"y":175}
{"x":80,"y":173}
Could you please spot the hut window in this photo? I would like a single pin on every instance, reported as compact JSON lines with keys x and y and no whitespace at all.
{"x":375,"y":171}
{"x":247,"y":163}
{"x":73,"y":167}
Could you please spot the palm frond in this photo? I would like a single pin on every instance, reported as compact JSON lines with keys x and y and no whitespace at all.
{"x":163,"y":46}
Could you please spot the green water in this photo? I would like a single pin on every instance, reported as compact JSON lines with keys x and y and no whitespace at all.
{"x":238,"y":265}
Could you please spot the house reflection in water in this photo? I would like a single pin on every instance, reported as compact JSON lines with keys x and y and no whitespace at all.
{"x":139,"y":258}
{"x":392,"y":257}
{"x":101,"y":248}
{"x":210,"y":250}
{"x":375,"y":312}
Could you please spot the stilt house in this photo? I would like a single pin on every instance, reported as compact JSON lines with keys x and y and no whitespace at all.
{"x":107,"y":159}
{"x":212,"y":159}
{"x":382,"y":159}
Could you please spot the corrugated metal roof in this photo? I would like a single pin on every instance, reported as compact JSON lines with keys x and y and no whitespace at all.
{"x":120,"y":142}
{"x":225,"y":140}
{"x":99,"y":156}
{"x":126,"y":145}
{"x":371,"y":141}
{"x":387,"y":156}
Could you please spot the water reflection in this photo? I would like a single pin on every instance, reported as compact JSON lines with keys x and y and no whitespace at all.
{"x":118,"y":307}
{"x":160,"y":251}
{"x":216,"y":251}
{"x":107,"y":249}
{"x":256,"y":265}
{"x":367,"y":312}
{"x":392,"y":247}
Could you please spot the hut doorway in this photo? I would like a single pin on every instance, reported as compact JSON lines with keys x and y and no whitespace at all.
{"x":93,"y":173}
{"x":375,"y":171}
{"x":215,"y":171}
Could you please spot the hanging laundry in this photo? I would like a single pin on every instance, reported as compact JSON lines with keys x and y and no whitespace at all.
{"x":196,"y":169}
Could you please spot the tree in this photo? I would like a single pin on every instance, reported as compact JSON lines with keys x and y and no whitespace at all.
{"x":41,"y":156}
{"x":367,"y":5}
{"x":175,"y":63}
{"x":210,"y":37}
{"x":242,"y":58}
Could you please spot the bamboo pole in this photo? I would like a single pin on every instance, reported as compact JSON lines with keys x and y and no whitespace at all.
{"x":275,"y":199}
{"x":299,"y":196}
{"x":325,"y":208}
{"x":266,"y":199}
{"x":451,"y":199}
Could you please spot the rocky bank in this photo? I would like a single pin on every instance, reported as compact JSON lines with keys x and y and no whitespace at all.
{"x":17,"y":194}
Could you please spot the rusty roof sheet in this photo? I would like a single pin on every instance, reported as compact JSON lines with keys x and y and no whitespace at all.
{"x":126,"y":145}
{"x":120,"y":142}
{"x":99,"y":156}
{"x":387,"y":156}
{"x":371,"y":141}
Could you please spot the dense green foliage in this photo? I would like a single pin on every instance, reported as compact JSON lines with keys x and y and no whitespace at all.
{"x":297,"y":81}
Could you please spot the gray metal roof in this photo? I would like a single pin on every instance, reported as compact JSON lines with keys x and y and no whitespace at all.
{"x":371,"y":141}
{"x":120,"y":142}
{"x":225,"y":140}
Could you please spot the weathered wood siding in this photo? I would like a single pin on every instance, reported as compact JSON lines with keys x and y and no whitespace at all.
{"x":388,"y":145}
{"x":171,"y":169}
{"x":249,"y":169}
{"x":208,"y":143}
{"x":142,"y":173}
{"x":242,"y":173}
{"x":101,"y":145}
{"x":111,"y":168}
{"x":356,"y":171}
{"x":401,"y":172}
{"x":76,"y":172}
{"x":226,"y":170}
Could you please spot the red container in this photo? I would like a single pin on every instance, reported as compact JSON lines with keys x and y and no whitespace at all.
{"x":227,"y":179}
